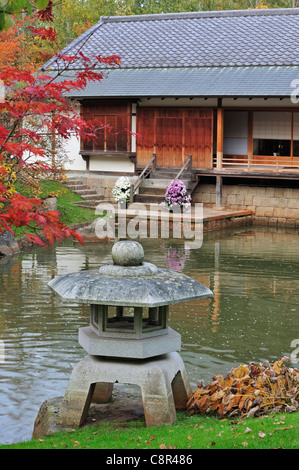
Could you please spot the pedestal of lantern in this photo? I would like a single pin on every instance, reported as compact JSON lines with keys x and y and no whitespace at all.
{"x":128,"y":339}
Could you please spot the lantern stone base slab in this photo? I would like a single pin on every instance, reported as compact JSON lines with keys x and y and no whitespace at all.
{"x":129,"y":348}
{"x":163,"y":381}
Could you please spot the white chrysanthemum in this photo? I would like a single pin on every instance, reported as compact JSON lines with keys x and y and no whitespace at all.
{"x":121,"y":190}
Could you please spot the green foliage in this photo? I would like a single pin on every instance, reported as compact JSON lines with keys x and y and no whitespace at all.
{"x":165,"y":6}
{"x":73,"y":17}
{"x":70,"y":213}
{"x":9,"y":8}
{"x":244,"y":4}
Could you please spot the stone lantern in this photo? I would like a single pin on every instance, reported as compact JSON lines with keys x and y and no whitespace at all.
{"x":128,"y":339}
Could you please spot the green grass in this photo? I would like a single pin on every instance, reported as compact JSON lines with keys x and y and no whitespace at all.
{"x":275,"y":431}
{"x":70,"y":213}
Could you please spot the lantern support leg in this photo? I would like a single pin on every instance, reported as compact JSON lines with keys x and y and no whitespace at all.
{"x":180,"y":389}
{"x":158,"y":402}
{"x":162,"y":379}
{"x":102,"y":392}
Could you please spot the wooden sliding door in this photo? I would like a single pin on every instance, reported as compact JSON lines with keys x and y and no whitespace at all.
{"x":174,"y":133}
{"x":198,"y":137}
{"x":169,"y":138}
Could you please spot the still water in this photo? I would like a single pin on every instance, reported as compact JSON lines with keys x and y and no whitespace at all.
{"x":254,"y":274}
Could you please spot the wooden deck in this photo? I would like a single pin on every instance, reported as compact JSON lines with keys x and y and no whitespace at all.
{"x":213,"y":219}
{"x":270,"y":172}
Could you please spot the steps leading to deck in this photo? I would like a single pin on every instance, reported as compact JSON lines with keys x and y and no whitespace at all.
{"x":153,"y":188}
{"x":90,"y":196}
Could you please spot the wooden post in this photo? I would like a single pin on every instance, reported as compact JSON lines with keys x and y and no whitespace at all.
{"x":219,"y":134}
{"x":155,"y":161}
{"x":86,"y":159}
{"x":132,"y":193}
{"x":250,"y":138}
{"x":219,"y":192}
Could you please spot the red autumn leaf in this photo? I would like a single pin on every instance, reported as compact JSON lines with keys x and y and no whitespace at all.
{"x":34,"y":239}
{"x":44,"y":33}
{"x":39,"y":97}
{"x":47,"y":13}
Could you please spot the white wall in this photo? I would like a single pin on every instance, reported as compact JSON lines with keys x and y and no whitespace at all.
{"x":111,"y":163}
{"x":74,"y":159}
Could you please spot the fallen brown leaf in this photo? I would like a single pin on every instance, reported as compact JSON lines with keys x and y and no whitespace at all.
{"x":249,"y":390}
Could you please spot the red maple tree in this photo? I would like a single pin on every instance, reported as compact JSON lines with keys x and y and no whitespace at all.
{"x":36,"y":96}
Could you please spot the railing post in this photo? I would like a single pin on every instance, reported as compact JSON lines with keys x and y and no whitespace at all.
{"x":219,"y":135}
{"x":154,"y":161}
{"x":218,"y":192}
{"x":142,"y":175}
{"x":132,"y":193}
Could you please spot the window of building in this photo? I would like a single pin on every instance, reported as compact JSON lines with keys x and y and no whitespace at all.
{"x":296,"y":134}
{"x":112,"y":122}
{"x":235,"y":137}
{"x":272,"y":133}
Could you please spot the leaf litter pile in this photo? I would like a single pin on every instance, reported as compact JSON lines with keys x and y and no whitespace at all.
{"x":249,"y":390}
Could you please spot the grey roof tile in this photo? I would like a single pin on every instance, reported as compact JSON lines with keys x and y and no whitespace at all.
{"x":201,"y":39}
{"x":223,"y":53}
{"x":202,"y":82}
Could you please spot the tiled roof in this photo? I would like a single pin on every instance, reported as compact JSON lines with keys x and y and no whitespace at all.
{"x":196,"y":82}
{"x":239,"y":38}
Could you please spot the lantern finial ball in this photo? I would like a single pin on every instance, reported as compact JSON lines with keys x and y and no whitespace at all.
{"x":127,"y":253}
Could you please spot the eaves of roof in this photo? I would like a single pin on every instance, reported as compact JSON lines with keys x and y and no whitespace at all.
{"x":270,"y":81}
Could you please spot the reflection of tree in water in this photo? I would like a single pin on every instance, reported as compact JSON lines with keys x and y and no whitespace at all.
{"x":175,"y":256}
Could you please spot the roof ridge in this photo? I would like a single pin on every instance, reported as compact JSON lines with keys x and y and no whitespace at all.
{"x":202,"y":14}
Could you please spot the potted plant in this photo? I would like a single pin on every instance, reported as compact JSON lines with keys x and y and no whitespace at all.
{"x":176,"y":196}
{"x":121,"y":190}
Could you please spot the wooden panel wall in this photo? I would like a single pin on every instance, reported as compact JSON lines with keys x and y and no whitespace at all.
{"x":116,"y":119}
{"x":174,"y":133}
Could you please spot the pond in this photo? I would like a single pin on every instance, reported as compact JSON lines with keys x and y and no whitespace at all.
{"x":253,"y":272}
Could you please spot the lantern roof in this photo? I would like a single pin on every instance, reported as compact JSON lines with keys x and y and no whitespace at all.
{"x":129,"y":281}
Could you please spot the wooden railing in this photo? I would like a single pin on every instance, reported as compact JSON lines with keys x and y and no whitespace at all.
{"x":184,"y":168}
{"x":259,"y":163}
{"x":193,"y":177}
{"x":145,"y":172}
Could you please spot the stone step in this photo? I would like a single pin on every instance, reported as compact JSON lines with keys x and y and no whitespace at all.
{"x":162,"y":183}
{"x":74,"y":181}
{"x":91,"y":204}
{"x":86,"y":192}
{"x":148,"y":198}
{"x":163,"y":175}
{"x":151,"y":190}
{"x":90,"y":196}
{"x":75,"y":187}
{"x":168,"y":174}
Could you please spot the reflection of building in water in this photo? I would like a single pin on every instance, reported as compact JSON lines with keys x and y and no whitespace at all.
{"x":250,"y":266}
{"x":244,"y":266}
{"x":175,"y":256}
{"x":216,"y":290}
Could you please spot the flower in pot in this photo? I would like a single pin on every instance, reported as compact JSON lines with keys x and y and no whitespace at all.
{"x":176,"y":196}
{"x":121,"y":190}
